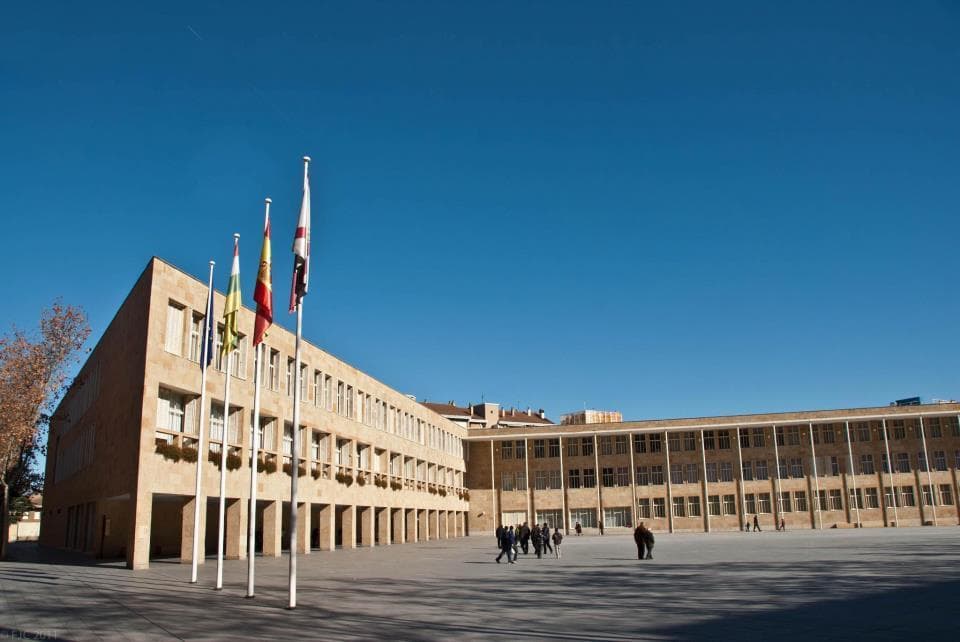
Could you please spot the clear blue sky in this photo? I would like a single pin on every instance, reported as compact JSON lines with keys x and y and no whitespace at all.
{"x":670,"y":209}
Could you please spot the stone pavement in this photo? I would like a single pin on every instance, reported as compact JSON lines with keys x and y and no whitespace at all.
{"x":871,"y":583}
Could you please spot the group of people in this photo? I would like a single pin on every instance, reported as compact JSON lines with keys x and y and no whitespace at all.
{"x":510,"y":540}
{"x":782,"y":526}
{"x":643,"y":536}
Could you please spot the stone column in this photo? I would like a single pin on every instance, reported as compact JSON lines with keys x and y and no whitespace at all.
{"x":410,"y":519}
{"x":366,"y":526}
{"x":348,"y":526}
{"x":398,"y":522}
{"x":186,"y":531}
{"x":138,"y":538}
{"x":384,"y":531}
{"x":327,"y":517}
{"x":272,"y":529}
{"x":303,"y":527}
{"x":236,"y":530}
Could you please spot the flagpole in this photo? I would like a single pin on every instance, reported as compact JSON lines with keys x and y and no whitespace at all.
{"x":254,"y":452}
{"x":224,"y":444}
{"x":295,"y":450}
{"x":201,"y":450}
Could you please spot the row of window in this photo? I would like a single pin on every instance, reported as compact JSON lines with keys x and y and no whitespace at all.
{"x":323,"y":391}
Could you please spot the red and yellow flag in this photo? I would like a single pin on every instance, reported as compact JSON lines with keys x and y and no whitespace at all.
{"x":263,"y":292}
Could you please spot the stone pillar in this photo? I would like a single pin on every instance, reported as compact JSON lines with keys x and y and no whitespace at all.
{"x":410,"y":520}
{"x":446,"y":525}
{"x":366,"y":526}
{"x":138,"y":538}
{"x":186,"y":531}
{"x":272,"y":529}
{"x":384,"y":531}
{"x":235,"y":527}
{"x":303,"y":527}
{"x":348,"y":528}
{"x":433,"y":517}
{"x":398,"y":522}
{"x":327,"y":516}
{"x":423,"y":524}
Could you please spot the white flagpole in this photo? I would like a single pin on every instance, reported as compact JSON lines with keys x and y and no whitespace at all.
{"x":224,"y":445}
{"x":201,"y":448}
{"x":254,"y":451}
{"x":295,"y":450}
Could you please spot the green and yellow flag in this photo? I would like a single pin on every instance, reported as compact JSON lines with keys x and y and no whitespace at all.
{"x":231,"y":309}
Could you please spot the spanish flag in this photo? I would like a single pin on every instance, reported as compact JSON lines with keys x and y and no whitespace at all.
{"x":231,"y":309}
{"x":263,"y":292}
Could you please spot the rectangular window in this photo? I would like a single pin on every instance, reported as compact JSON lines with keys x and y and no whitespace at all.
{"x":350,"y":398}
{"x":689,"y":441}
{"x":173,"y":342}
{"x":620,"y":445}
{"x":899,"y":429}
{"x":782,"y":470}
{"x":729,"y":505}
{"x":554,"y":445}
{"x":800,"y":501}
{"x":723,"y":439}
{"x":765,"y":503}
{"x":586,"y":517}
{"x":606,"y":445}
{"x":673,"y":441}
{"x":778,"y":432}
{"x":573,"y":447}
{"x":692,"y":474}
{"x":693,"y":506}
{"x":709,"y":440}
{"x":726,"y":471}
{"x":639,"y":444}
{"x":616,"y":517}
{"x":796,"y":467}
{"x":521,"y":480}
{"x":273,"y":370}
{"x":289,"y":379}
{"x":793,"y":436}
{"x":712,"y":472}
{"x":927,"y":494}
{"x":574,"y":477}
{"x":676,"y":473}
{"x":656,"y":475}
{"x":656,"y":442}
{"x":747,"y":473}
{"x":506,"y":480}
{"x":623,"y":476}
{"x":713,"y":505}
{"x":836,"y":499}
{"x":751,"y":503}
{"x":744,"y":438}
{"x":170,"y":411}
{"x":539,"y":448}
{"x":607,"y":474}
{"x":659,"y":508}
{"x":761,"y":469}
{"x":328,"y":392}
{"x":520,"y":447}
{"x":907,"y":496}
{"x":921,"y":462}
{"x":643,"y":508}
{"x":556,"y":481}
{"x":586,"y":446}
{"x":643,"y":476}
{"x":871,"y":498}
{"x":785,"y":501}
{"x":946,"y":495}
{"x":759,"y":440}
{"x":863,"y":431}
{"x":822,"y":500}
{"x":540,"y":480}
{"x":829,"y":435}
{"x":196,"y":337}
{"x":589,"y":478}
{"x":866,"y":465}
{"x":506,"y":450}
{"x":903,"y":463}
{"x":679,"y":507}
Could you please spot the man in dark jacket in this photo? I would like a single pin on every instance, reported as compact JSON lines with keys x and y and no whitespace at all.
{"x":525,"y":538}
{"x":648,"y":541}
{"x":506,"y":545}
{"x":537,"y":538}
{"x":545,"y":531}
{"x":638,"y":539}
{"x":500,"y":536}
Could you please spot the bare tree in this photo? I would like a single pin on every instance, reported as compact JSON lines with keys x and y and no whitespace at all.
{"x":34,"y":372}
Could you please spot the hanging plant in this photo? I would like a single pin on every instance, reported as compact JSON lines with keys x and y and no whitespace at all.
{"x":168,"y":451}
{"x":189,"y":454}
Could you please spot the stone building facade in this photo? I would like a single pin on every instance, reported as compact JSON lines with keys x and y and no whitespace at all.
{"x":717,"y":473}
{"x":380,"y":468}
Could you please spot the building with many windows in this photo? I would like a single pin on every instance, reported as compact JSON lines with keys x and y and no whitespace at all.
{"x":881,"y":466}
{"x":379,"y":467}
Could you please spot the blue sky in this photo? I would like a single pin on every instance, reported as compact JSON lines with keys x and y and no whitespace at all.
{"x":670,"y":209}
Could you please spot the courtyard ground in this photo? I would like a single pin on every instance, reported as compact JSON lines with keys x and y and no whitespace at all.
{"x":867,"y":584}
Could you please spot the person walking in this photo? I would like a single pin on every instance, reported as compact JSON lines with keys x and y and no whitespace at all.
{"x":516,"y":542}
{"x":648,"y":540}
{"x":601,"y":527}
{"x":557,"y":538}
{"x":547,"y":548}
{"x":537,"y":538}
{"x":578,"y":529}
{"x":756,"y":524}
{"x":506,"y":545}
{"x":500,"y":536}
{"x":638,"y":539}
{"x":783,"y":525}
{"x":525,"y":538}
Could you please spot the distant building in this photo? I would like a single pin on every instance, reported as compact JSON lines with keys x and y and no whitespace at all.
{"x":27,"y":528}
{"x":489,"y":415}
{"x":581,"y":417}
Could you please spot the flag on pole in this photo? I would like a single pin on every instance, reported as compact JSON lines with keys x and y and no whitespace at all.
{"x":208,"y":329}
{"x":301,"y":245}
{"x":263,"y":292}
{"x":231,"y":308}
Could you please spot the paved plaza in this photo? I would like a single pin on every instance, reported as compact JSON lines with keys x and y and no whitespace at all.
{"x":870,"y":584}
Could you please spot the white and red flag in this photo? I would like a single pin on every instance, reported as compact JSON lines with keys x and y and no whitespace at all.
{"x":301,"y":245}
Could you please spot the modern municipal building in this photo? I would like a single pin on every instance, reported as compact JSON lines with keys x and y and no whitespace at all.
{"x":383,"y":469}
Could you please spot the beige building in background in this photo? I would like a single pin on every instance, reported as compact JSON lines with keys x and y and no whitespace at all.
{"x":580,"y":417}
{"x":380,"y":468}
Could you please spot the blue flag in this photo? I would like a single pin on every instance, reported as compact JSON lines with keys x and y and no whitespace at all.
{"x":208,"y":332}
